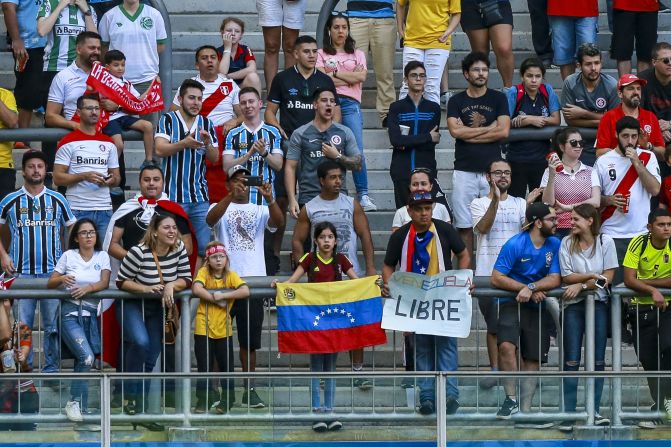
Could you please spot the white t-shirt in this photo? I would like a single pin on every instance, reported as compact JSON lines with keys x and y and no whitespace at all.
{"x":85,"y":272}
{"x":604,"y":258}
{"x":241,"y":230}
{"x":401,"y":217}
{"x":68,"y":85}
{"x":86,"y":153}
{"x":612,"y":167}
{"x":229,"y":92}
{"x":507,"y":223}
{"x":137,"y":37}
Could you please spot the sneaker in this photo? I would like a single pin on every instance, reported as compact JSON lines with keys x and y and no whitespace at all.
{"x":651,"y":424}
{"x":445,"y":98}
{"x":73,"y":412}
{"x":252,"y":399}
{"x":566,"y":426}
{"x":508,"y":408}
{"x":407,"y":382}
{"x":536,"y":425}
{"x":426,"y":408}
{"x":452,"y":405}
{"x":600,"y":420}
{"x":363,"y":384}
{"x":367,"y":203}
{"x":667,"y":408}
{"x":200,"y":408}
{"x":320,"y":426}
{"x":334,"y":425}
{"x":488,"y":383}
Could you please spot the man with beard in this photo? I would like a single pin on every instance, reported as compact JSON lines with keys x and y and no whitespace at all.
{"x":629,"y":90}
{"x":528,"y":265}
{"x":657,"y":93}
{"x":629,"y":177}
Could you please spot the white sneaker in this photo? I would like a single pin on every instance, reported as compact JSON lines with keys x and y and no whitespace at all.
{"x":73,"y":412}
{"x":367,"y":204}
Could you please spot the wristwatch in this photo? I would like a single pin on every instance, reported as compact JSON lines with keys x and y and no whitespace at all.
{"x":531,"y":286}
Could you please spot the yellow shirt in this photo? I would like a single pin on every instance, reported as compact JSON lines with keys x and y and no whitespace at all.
{"x":427,"y":20}
{"x":651,"y":264}
{"x":212,"y":320}
{"x":6,"y":160}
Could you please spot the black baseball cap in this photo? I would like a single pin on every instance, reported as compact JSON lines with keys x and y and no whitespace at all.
{"x":535,"y":211}
{"x":30,"y":154}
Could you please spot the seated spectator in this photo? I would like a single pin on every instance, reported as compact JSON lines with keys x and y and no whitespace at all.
{"x":533,"y":103}
{"x":82,"y":270}
{"x":657,"y":92}
{"x":633,"y":20}
{"x":347,"y":66}
{"x":8,"y":119}
{"x":587,"y":95}
{"x":567,"y":182}
{"x":588,"y":261}
{"x":240,"y":63}
{"x":572,"y":24}
{"x":420,"y":181}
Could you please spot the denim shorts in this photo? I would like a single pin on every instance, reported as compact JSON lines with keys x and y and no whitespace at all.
{"x":568,"y":33}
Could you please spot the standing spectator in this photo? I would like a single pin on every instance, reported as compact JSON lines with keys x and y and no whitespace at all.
{"x":533,"y":103}
{"x":573,"y":24}
{"x":420,"y":181}
{"x":347,"y":66}
{"x":412,"y":125}
{"x":540,"y":31}
{"x":237,"y":61}
{"x":478,"y":118}
{"x":426,"y":27}
{"x":528,"y":264}
{"x":481,"y":30}
{"x":574,"y":184}
{"x":373,"y":28}
{"x":633,"y":20}
{"x":587,"y":95}
{"x":87,"y":164}
{"x":657,"y":92}
{"x":184,"y":139}
{"x":8,"y":119}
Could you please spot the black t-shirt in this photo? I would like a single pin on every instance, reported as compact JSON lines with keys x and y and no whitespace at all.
{"x":449,"y":240}
{"x":134,"y":229}
{"x":476,"y":112}
{"x":530,"y":151}
{"x":293,"y":94}
{"x":656,"y":97}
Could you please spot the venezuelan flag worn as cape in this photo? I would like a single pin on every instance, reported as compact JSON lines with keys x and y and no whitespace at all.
{"x":329,"y":316}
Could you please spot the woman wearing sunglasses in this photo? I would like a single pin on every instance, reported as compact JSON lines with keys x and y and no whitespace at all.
{"x":567,"y":181}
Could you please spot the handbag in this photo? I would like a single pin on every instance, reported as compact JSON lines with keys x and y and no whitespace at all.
{"x":171,"y":325}
{"x":490,"y":11}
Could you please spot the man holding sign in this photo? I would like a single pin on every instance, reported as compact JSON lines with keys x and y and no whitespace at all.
{"x":425,"y":246}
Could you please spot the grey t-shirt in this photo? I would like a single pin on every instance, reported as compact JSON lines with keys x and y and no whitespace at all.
{"x":305,"y":146}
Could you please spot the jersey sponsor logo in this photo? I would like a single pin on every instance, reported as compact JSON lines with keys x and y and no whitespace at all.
{"x":548,"y":259}
{"x":316,"y":154}
{"x":35,"y":223}
{"x":90,"y":160}
{"x":68,"y":30}
{"x":293,"y":92}
{"x":335,"y":139}
{"x":525,"y":259}
{"x":146,"y":23}
{"x":600,"y":102}
{"x":299,"y":105}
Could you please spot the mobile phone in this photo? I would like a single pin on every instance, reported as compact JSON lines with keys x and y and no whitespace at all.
{"x":601,"y":282}
{"x":253,"y":180}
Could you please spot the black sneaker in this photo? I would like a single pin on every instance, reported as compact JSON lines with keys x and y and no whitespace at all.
{"x":452,"y":405}
{"x":252,"y":399}
{"x":320,"y":427}
{"x":508,"y":408}
{"x":426,"y":407}
{"x":334,"y":425}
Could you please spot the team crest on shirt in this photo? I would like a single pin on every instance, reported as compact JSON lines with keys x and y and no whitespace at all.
{"x":96,"y":267}
{"x":102,"y":148}
{"x":335,"y":139}
{"x":600,"y":102}
{"x":23,"y":210}
{"x":647,"y":128}
{"x":224,"y":89}
{"x":548,"y":259}
{"x":146,"y":23}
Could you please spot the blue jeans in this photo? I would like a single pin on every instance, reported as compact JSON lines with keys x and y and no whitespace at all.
{"x":435,"y":353}
{"x":573,"y":330}
{"x":101,"y":218}
{"x":352,"y":118}
{"x":197,"y":212}
{"x":49,"y":313}
{"x":323,"y":363}
{"x":568,"y":33}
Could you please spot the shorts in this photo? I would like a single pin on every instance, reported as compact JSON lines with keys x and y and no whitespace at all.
{"x":117,"y":126}
{"x":472,"y":20}
{"x":568,"y":33}
{"x":248,"y":316}
{"x":526,"y":331}
{"x":627,"y":26}
{"x":30,"y":80}
{"x":287,"y":13}
{"x":466,"y":186}
{"x":489,"y":307}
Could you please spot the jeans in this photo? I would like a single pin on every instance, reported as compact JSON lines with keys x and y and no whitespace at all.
{"x":436,"y":353}
{"x":573,"y":330}
{"x":101,"y":219}
{"x":323,"y":363}
{"x":568,"y":33}
{"x":197,"y":212}
{"x":352,"y":118}
{"x":434,"y":60}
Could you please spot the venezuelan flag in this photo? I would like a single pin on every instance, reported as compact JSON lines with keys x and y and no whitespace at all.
{"x":329,"y":316}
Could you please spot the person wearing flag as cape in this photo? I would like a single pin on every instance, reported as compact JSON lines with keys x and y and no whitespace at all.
{"x":425,"y":246}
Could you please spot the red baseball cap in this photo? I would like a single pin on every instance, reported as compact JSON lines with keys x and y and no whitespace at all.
{"x":629,"y":78}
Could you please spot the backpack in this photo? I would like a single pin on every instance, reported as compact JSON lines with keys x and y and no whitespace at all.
{"x":542,"y":90}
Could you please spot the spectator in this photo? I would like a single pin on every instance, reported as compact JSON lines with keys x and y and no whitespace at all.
{"x":574,"y":184}
{"x":533,"y":103}
{"x":629,"y":177}
{"x":413,"y":126}
{"x":87,"y":164}
{"x":588,"y":261}
{"x":478,"y":118}
{"x":541,"y":30}
{"x":633,"y":20}
{"x":496,"y":218}
{"x":159,"y":266}
{"x":420,"y":181}
{"x":184,"y":139}
{"x":573,"y":24}
{"x":31,"y":256}
{"x":347,"y":66}
{"x":314,"y":142}
{"x":434,"y":353}
{"x":373,"y":27}
{"x":82,"y":270}
{"x":521,"y":322}
{"x":8,"y":119}
{"x":240,"y":65}
{"x":240,"y":226}
{"x":665,"y":190}
{"x":426,"y":28}
{"x":213,"y":333}
{"x":629,"y":91}
{"x":646,"y":271}
{"x":587,"y":95}
{"x":656,"y":95}
{"x":281,"y":21}
{"x":481,"y":30}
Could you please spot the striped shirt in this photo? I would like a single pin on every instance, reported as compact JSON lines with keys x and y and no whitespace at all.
{"x":238,"y":143}
{"x":139,"y":266}
{"x":185,"y":180}
{"x":35,"y":224}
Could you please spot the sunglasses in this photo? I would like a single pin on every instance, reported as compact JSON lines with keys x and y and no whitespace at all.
{"x":339,"y":13}
{"x":665,"y":60}
{"x":577,"y":143}
{"x":421,"y":171}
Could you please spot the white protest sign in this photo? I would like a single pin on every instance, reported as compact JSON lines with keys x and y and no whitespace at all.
{"x":435,"y":305}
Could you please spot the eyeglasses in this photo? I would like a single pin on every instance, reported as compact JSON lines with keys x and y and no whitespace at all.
{"x":85,"y":233}
{"x":665,"y":60}
{"x":421,"y":195}
{"x":339,"y":13}
{"x":91,"y":108}
{"x":577,"y":143}
{"x":500,"y":173}
{"x":417,"y":76}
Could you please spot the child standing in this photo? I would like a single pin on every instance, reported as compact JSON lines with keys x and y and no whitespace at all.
{"x":323,"y":264}
{"x":212,"y":336}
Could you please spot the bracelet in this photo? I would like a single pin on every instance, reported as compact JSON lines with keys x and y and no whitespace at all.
{"x":264,"y":155}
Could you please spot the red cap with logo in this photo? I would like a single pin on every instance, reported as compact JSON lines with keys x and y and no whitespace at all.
{"x":629,"y":78}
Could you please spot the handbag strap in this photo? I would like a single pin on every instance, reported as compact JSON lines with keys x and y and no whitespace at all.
{"x":158,"y":266}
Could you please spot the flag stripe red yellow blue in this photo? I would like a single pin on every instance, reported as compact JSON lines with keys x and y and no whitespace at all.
{"x":330,"y":316}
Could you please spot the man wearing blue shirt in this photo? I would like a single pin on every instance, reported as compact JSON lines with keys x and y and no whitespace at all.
{"x":528,"y":264}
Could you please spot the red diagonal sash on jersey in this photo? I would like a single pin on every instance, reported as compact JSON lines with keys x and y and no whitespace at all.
{"x":625,"y":184}
{"x":103,"y":82}
{"x":212,"y":101}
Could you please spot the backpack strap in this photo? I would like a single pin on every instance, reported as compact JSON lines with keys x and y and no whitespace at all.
{"x":518,"y":99}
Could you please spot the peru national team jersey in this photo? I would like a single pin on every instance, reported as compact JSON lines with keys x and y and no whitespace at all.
{"x":219,"y":97}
